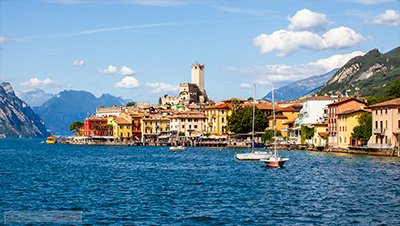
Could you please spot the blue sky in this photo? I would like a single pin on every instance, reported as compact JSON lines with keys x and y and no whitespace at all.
{"x":143,"y":49}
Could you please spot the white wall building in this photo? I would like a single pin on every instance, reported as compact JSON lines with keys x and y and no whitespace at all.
{"x":314,"y":110}
{"x":190,"y":123}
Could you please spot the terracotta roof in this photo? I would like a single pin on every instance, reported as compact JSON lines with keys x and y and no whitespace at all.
{"x":189,"y":115}
{"x":265,"y":106}
{"x":122,"y":121}
{"x":289,"y":109}
{"x":346,"y":99}
{"x":277,"y":117}
{"x":352,"y":111}
{"x":220,"y":106}
{"x":322,"y":134}
{"x":389,"y":103}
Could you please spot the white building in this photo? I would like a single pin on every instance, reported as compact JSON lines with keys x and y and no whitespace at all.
{"x":314,"y":110}
{"x":190,"y":123}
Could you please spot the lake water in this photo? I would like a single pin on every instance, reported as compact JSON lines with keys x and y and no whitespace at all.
{"x":150,"y":185}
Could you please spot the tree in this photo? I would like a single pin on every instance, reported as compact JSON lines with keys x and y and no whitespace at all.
{"x":269,"y":134}
{"x":131,"y":104}
{"x":363,"y":131}
{"x":241,"y":121}
{"x":75,"y":126}
{"x":306,"y":133}
{"x":235,"y":105}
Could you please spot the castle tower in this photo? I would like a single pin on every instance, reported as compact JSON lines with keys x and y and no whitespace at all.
{"x":198,"y":75}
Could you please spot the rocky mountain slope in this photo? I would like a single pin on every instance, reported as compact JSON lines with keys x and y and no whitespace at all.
{"x":366,"y":75}
{"x":17,"y":119}
{"x":300,"y":88}
{"x":69,"y":106}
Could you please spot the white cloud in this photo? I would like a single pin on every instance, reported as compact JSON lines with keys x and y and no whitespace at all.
{"x":125,"y":71}
{"x":109,"y":70}
{"x":389,"y":17}
{"x":37,"y":83}
{"x":284,"y":42}
{"x":305,"y":20}
{"x":159,"y":87}
{"x":245,"y":85}
{"x":78,"y":62}
{"x":2,"y":39}
{"x":128,"y":82}
{"x":283,"y":74}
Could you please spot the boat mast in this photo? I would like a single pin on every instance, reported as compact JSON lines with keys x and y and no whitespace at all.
{"x":274,"y":121}
{"x":254,"y":113}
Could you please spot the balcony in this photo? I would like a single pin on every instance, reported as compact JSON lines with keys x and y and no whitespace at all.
{"x":379,"y":131}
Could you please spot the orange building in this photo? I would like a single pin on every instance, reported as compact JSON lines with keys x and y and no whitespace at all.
{"x":337,"y":107}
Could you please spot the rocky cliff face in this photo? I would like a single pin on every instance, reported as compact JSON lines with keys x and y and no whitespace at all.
{"x":17,"y":119}
{"x":365,"y":75}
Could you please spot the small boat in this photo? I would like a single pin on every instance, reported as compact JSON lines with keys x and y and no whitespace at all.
{"x":2,"y":135}
{"x":254,"y":156}
{"x":51,"y":140}
{"x":275,"y":161}
{"x":177,"y":148}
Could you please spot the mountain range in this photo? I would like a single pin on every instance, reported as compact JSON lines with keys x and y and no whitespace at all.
{"x":366,"y":75}
{"x":17,"y":119}
{"x":71,"y":105}
{"x":307,"y":86}
{"x":34,"y":97}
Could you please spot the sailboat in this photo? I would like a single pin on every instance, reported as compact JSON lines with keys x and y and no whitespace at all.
{"x":253,"y":155}
{"x":274,"y":161}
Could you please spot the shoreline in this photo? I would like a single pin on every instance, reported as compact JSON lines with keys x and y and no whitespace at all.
{"x":365,"y":151}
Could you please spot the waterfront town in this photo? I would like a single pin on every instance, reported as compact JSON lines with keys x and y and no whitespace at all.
{"x":191,"y":119}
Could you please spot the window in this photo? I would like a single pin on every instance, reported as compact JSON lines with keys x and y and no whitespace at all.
{"x":385,"y":111}
{"x":386,"y":124}
{"x":381,"y":111}
{"x":121,"y":127}
{"x":398,"y":124}
{"x":222,"y":112}
{"x":376,"y":112}
{"x":222,"y":120}
{"x":381,"y":124}
{"x":195,"y":126}
{"x":183,"y":126}
{"x":398,"y":110}
{"x":386,"y":139}
{"x":376,"y":124}
{"x":345,"y":139}
{"x":121,"y":135}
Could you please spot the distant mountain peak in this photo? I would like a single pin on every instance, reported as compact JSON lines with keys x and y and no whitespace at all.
{"x":301,"y":87}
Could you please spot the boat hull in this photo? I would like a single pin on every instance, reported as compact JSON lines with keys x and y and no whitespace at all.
{"x":275,"y":162}
{"x":178,"y":148}
{"x":253,"y":156}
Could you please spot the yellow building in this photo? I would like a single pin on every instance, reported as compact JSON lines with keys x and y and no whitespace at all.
{"x":283,"y":118}
{"x":122,"y":128}
{"x":320,"y":134}
{"x":346,"y":122}
{"x":217,"y":118}
{"x":153,"y":125}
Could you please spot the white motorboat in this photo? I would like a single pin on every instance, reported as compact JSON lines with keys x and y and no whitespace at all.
{"x":177,"y":148}
{"x":254,"y":156}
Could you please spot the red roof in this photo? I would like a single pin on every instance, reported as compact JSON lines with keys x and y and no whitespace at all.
{"x":288,"y":109}
{"x":122,"y":121}
{"x":352,"y":111}
{"x":220,"y":106}
{"x":346,"y":99}
{"x":267,"y":107}
{"x":277,"y":117}
{"x":389,"y":103}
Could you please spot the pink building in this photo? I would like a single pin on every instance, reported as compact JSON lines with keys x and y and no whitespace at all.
{"x":385,"y":124}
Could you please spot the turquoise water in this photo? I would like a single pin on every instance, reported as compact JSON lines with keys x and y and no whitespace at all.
{"x":150,"y":185}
